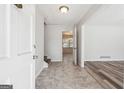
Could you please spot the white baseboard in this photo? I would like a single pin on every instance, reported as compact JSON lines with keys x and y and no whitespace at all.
{"x":104,"y":60}
{"x":82,"y":65}
{"x":45,"y":66}
{"x":56,"y":60}
{"x":38,"y":73}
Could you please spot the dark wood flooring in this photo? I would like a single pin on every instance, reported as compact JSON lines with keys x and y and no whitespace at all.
{"x":110,"y":75}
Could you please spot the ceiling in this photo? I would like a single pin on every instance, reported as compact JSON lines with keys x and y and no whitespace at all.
{"x":108,"y":14}
{"x":55,"y":17}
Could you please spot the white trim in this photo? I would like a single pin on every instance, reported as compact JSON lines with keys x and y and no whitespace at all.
{"x":38,"y":72}
{"x":6,"y":32}
{"x":82,"y":45}
{"x":8,"y":14}
{"x":44,"y":66}
{"x":82,"y":64}
{"x":32,"y":75}
{"x":104,"y":60}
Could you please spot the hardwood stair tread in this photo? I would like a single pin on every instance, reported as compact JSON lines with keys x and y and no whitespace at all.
{"x":116,"y":81}
{"x":97,"y":78}
{"x":109,"y":72}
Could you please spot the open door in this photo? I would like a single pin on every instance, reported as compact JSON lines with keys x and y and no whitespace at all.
{"x":17,"y":39}
{"x":16,"y":50}
{"x":22,"y":31}
{"x":75,"y":46}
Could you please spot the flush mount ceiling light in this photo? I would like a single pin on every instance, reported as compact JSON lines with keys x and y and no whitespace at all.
{"x":63,"y":9}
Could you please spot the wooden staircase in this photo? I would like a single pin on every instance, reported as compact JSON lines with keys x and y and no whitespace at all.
{"x":47,"y":60}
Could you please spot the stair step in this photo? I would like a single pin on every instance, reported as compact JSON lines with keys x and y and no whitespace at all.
{"x":98,"y":78}
{"x":47,"y":60}
{"x":45,"y":56}
{"x":109,"y":84}
{"x":113,"y":79}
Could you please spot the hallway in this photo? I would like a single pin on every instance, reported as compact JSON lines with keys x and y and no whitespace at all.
{"x":65,"y":75}
{"x":31,"y":38}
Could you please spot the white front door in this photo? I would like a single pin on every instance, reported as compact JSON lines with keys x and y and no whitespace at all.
{"x":25,"y":38}
{"x":75,"y":45}
{"x":23,"y":26}
{"x":16,"y":49}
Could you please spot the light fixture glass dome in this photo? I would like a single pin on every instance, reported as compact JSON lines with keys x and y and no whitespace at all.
{"x":64,"y":9}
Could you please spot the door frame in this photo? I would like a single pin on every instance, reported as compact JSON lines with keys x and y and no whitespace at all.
{"x":75,"y":45}
{"x":62,"y":44}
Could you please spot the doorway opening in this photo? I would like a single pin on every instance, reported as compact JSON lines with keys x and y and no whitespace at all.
{"x":67,"y":46}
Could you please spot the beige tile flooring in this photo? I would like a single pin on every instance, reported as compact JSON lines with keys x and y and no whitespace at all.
{"x":65,"y":75}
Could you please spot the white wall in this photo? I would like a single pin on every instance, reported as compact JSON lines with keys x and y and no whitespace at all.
{"x":15,"y":68}
{"x":81,"y":35}
{"x":39,"y":41}
{"x":104,"y":41}
{"x":104,"y":34}
{"x":53,"y":41}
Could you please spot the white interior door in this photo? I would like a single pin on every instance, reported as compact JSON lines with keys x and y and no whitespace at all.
{"x":75,"y":46}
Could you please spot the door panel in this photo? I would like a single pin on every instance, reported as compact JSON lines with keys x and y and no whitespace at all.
{"x":23,"y":28}
{"x":3,"y":32}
